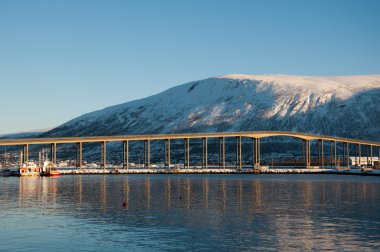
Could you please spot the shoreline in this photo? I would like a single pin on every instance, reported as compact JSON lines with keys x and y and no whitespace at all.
{"x":221,"y":171}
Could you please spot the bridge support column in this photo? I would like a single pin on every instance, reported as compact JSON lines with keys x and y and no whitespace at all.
{"x":205,"y":153}
{"x":256,"y":162}
{"x":79,"y":155}
{"x":371,"y":151}
{"x":186,"y":152}
{"x":25,"y":153}
{"x":356,"y":154}
{"x":343,"y":162}
{"x":321,"y":159}
{"x":21,"y":159}
{"x":222,"y":153}
{"x":53,"y":152}
{"x":147,"y":154}
{"x":103,"y":154}
{"x":126,"y":154}
{"x":331,"y":154}
{"x":367,"y":153}
{"x":307,"y":153}
{"x":238,"y":153}
{"x":167,"y":153}
{"x":335,"y":156}
{"x":347,"y":146}
{"x":360,"y":153}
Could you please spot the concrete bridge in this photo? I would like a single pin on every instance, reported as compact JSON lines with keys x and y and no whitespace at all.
{"x":373,"y":148}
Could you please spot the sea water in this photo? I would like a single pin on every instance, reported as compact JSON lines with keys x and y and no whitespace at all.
{"x":190,"y":212}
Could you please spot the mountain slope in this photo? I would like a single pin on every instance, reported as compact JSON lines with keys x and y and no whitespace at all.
{"x":339,"y":106}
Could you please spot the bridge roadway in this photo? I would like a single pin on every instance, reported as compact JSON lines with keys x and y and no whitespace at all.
{"x":255,"y":136}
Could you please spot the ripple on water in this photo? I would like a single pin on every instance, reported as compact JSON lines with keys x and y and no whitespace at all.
{"x":190,"y":212}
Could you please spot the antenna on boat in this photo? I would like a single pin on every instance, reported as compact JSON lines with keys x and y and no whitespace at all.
{"x":5,"y":158}
{"x":39,"y":159}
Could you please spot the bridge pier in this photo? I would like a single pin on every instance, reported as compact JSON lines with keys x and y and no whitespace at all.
{"x":344,"y":155}
{"x":333,"y":160}
{"x":331,"y":155}
{"x":256,"y":148}
{"x":321,"y":160}
{"x":103,"y":154}
{"x":186,"y":152}
{"x":167,"y":152}
{"x":147,"y":154}
{"x":25,"y":153}
{"x":307,"y":153}
{"x":222,"y":153}
{"x":126,"y":154}
{"x":335,"y":156}
{"x":53,"y":153}
{"x":238,"y":163}
{"x":369,"y":157}
{"x":356,"y":154}
{"x":205,"y":153}
{"x":79,"y":151}
{"x":347,"y":152}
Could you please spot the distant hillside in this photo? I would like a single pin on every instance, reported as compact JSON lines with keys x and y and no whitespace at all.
{"x":347,"y":106}
{"x":28,"y":134}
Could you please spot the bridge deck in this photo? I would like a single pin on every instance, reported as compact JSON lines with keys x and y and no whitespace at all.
{"x":254,"y":134}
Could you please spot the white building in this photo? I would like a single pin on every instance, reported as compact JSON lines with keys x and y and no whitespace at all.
{"x":363,"y":160}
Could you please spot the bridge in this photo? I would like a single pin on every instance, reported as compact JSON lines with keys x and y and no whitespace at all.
{"x":254,"y":137}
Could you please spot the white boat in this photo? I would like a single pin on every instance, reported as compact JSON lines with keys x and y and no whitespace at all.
{"x":29,"y":168}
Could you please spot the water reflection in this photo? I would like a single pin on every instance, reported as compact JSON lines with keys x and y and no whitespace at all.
{"x":237,"y":212}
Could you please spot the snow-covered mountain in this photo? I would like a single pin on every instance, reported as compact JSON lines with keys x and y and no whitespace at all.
{"x":338,"y":106}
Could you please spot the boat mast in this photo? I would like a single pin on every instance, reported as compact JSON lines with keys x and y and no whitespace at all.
{"x":4,"y":158}
{"x":39,"y":159}
{"x":5,"y":161}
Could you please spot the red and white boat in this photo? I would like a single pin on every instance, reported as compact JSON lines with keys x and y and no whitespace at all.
{"x":49,"y":169}
{"x":29,"y":168}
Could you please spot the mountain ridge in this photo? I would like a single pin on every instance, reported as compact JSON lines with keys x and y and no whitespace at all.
{"x":346,"y":106}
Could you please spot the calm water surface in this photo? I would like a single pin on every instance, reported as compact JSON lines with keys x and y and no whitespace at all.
{"x":190,"y":212}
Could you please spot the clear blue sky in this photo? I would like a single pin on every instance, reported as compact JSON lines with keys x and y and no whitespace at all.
{"x":61,"y":58}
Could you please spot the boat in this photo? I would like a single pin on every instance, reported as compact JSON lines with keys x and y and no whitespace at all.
{"x":5,"y":172}
{"x":49,"y":169}
{"x":29,"y":168}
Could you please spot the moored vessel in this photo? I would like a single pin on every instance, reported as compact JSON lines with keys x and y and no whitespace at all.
{"x":49,"y":169}
{"x":5,"y":172}
{"x":29,"y":168}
